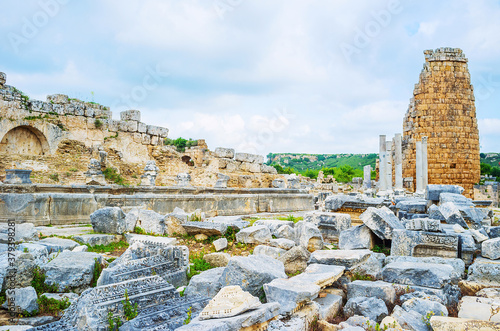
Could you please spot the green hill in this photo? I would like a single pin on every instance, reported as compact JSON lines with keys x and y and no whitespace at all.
{"x":302,"y":162}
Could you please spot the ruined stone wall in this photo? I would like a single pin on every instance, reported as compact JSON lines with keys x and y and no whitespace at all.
{"x":442,"y":108}
{"x":57,"y":138}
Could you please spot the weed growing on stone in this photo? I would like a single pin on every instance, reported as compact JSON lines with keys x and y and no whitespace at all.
{"x":38,"y":282}
{"x":54,"y":177}
{"x":111,"y":137}
{"x":360,"y":276}
{"x":98,"y":123}
{"x":199,"y":264}
{"x":97,"y":272}
{"x":113,"y":322}
{"x":382,"y":249}
{"x":26,"y":250}
{"x":129,"y":310}
{"x":188,"y":318}
{"x":51,"y":306}
{"x":3,"y":297}
{"x":314,"y":325}
{"x":139,"y":230}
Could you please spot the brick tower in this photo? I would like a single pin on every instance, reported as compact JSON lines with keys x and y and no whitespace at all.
{"x":442,"y":109}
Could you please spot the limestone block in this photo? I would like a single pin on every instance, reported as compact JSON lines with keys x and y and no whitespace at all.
{"x":412,"y":206}
{"x":221,"y":181}
{"x":452,"y":214}
{"x":432,"y":192}
{"x":441,"y":323}
{"x":457,"y":199}
{"x":22,"y":232}
{"x":477,"y":308}
{"x":113,"y":125}
{"x":409,"y":320}
{"x":419,"y":274}
{"x":39,"y":252}
{"x":157,"y":131}
{"x":95,"y":239}
{"x":257,"y":234}
{"x":425,"y":307}
{"x":320,"y":274}
{"x":330,"y":306}
{"x":373,"y":308}
{"x":282,"y":243}
{"x":434,"y":213}
{"x":55,"y":245}
{"x":378,"y":289}
{"x":381,"y":221}
{"x":142,"y":128}
{"x":491,"y":248}
{"x":224,"y":152}
{"x":146,"y":139}
{"x":345,"y":258}
{"x":236,"y":222}
{"x":58,"y":108}
{"x":273,"y":225}
{"x":205,"y":284}
{"x":131,"y":219}
{"x":23,"y":299}
{"x":356,"y":323}
{"x":269,"y":169}
{"x":279,"y":183}
{"x":423,"y":224}
{"x":485,"y":271}
{"x":252,"y":158}
{"x":492,"y":293}
{"x":109,"y":220}
{"x":295,"y":260}
{"x":3,"y":79}
{"x":58,"y":98}
{"x":130,"y":115}
{"x":90,"y":112}
{"x":249,"y":319}
{"x":330,"y":224}
{"x":230,"y":301}
{"x":308,"y":235}
{"x":286,"y":232}
{"x":207,"y":228}
{"x":217,"y":259}
{"x":358,"y":237}
{"x":273,"y":252}
{"x":220,"y":244}
{"x":479,"y":235}
{"x":127,"y":126}
{"x":290,"y":294}
{"x":183,"y":180}
{"x":458,"y":265}
{"x":71,"y":270}
{"x":81,"y":248}
{"x":40,"y":106}
{"x":252,"y":272}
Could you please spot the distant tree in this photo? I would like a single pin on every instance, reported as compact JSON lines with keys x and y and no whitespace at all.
{"x":482,"y":155}
{"x":495,"y":172}
{"x":485,"y":169}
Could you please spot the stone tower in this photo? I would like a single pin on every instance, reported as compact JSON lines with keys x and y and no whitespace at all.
{"x":442,"y":109}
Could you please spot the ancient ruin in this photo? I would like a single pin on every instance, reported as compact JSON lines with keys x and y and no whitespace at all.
{"x":442,"y":109}
{"x":142,"y":236}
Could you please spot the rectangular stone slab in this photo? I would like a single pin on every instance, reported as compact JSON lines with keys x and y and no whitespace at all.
{"x":419,"y":274}
{"x":346,"y":258}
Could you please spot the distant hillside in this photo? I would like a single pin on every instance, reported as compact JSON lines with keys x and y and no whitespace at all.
{"x":302,"y":162}
{"x":493,"y":159}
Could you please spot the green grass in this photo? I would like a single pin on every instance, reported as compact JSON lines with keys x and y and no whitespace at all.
{"x":360,"y":276}
{"x":114,"y":246}
{"x":291,"y":218}
{"x":199,"y":264}
{"x":380,"y":249}
{"x":97,"y":272}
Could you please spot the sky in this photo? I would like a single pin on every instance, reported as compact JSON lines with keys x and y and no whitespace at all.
{"x":259,"y":76}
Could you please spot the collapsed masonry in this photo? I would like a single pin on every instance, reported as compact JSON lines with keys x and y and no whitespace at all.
{"x":58,"y":138}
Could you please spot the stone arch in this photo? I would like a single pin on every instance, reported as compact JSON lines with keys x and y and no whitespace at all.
{"x":24,"y":139}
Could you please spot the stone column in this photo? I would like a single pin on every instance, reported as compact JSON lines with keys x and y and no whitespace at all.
{"x":382,"y":164}
{"x":418,"y":166}
{"x":388,"y":167}
{"x":367,"y":176}
{"x":425,"y":172}
{"x":398,"y":163}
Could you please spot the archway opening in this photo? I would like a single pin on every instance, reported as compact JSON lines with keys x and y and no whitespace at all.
{"x":24,"y":140}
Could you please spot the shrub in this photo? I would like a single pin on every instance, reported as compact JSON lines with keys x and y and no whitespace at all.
{"x":98,"y":123}
{"x":39,"y":285}
{"x":199,"y":264}
{"x":113,"y":176}
{"x":97,"y":272}
{"x":180,"y":143}
{"x":52,"y":306}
